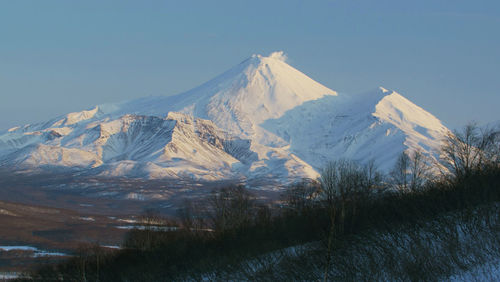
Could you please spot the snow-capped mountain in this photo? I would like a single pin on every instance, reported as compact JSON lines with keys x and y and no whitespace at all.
{"x":262,"y":118}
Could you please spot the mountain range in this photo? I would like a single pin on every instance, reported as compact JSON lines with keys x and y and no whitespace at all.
{"x":261,"y":118}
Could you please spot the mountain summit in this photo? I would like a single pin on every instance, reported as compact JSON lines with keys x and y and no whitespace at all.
{"x":261,"y":118}
{"x":258,"y":89}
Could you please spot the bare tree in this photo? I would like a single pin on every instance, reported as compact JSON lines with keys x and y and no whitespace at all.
{"x":299,"y":197}
{"x":330,"y":191}
{"x":471,"y":149}
{"x":192,"y":218}
{"x":89,"y":255}
{"x":399,"y":174}
{"x":231,"y":208}
{"x":343,"y":182}
{"x":410,"y":172}
{"x":151,"y":217}
{"x":419,"y":170}
{"x":372,"y":177}
{"x":492,"y":150}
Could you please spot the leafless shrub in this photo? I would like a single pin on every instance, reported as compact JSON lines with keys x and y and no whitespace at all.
{"x":343,"y":184}
{"x":231,"y":208}
{"x":410,"y":172}
{"x":471,"y":149}
{"x":300,"y":197}
{"x":191,"y":218}
{"x":428,"y":251}
{"x":151,"y":217}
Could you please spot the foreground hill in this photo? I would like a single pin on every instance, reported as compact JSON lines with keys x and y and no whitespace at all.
{"x":262,"y":118}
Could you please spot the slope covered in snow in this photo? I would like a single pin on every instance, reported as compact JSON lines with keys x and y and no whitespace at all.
{"x":376,"y":125}
{"x":178,"y":145}
{"x":261,"y":118}
{"x":258,"y":89}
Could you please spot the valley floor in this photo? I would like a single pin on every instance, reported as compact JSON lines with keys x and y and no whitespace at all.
{"x":58,"y":213}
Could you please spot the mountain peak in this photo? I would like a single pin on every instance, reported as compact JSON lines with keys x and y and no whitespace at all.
{"x":384,"y":90}
{"x":277,"y":55}
{"x":241,"y":98}
{"x":260,"y":118}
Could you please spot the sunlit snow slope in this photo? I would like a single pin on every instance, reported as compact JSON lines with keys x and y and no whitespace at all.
{"x":262,"y":118}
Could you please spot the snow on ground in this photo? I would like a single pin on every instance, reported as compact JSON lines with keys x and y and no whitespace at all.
{"x":8,"y":275}
{"x":36,"y":252}
{"x":17,"y":248}
{"x":111,"y":247}
{"x":484,"y":272}
{"x":457,"y":246}
{"x":149,"y":227}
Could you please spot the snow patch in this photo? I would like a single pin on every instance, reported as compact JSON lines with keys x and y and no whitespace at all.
{"x":279,"y":55}
{"x":36,"y":252}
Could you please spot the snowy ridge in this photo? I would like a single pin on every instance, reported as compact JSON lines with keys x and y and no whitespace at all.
{"x":261,"y":118}
{"x":376,"y":125}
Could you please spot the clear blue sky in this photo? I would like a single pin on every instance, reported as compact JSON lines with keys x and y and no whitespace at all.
{"x":63,"y":56}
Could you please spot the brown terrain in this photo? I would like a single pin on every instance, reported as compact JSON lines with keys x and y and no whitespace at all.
{"x":60,"y":212}
{"x":51,"y":230}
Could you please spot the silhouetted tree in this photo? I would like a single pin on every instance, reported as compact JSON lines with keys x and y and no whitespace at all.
{"x":410,"y":171}
{"x":231,"y":208}
{"x":468,"y":150}
{"x":191,"y":217}
{"x":343,"y":184}
{"x":300,"y":196}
